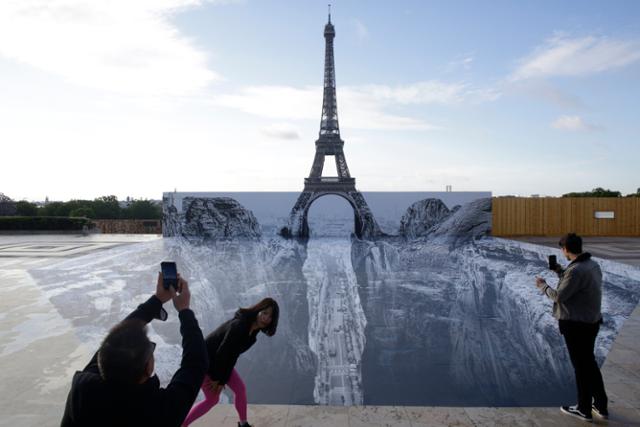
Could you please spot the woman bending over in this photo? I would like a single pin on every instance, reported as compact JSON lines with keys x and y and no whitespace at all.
{"x":225,"y":345}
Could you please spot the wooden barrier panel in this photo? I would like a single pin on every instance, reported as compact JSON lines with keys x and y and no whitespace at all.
{"x":551,"y":216}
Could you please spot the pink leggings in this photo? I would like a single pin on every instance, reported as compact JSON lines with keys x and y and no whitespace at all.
{"x":235,"y":383}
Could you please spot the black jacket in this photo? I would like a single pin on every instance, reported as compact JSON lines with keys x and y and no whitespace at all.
{"x":96,"y":403}
{"x":227,"y":343}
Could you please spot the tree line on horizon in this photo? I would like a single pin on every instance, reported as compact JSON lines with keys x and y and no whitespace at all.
{"x":105,"y":207}
{"x":601,"y":192}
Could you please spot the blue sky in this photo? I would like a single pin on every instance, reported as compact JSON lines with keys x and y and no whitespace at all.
{"x":134,"y":98}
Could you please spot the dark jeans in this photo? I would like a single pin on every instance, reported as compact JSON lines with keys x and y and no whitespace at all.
{"x":580,"y":338}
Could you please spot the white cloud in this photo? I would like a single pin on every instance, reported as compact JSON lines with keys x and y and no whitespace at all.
{"x":281,"y":131}
{"x":360,"y":107}
{"x":562,"y":56}
{"x":428,"y":92}
{"x":275,"y":102}
{"x":123,"y":46}
{"x":361,"y":110}
{"x":572,"y":123}
{"x":464,"y":62}
{"x":362,"y":32}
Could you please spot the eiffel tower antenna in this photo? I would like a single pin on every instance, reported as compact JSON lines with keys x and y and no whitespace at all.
{"x":329,"y":122}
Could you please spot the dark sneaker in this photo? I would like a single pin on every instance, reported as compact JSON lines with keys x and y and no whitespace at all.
{"x":574,"y":412}
{"x":604,"y":414}
{"x":244,"y":424}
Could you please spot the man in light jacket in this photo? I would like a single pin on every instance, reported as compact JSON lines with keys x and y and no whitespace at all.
{"x":576,"y":305}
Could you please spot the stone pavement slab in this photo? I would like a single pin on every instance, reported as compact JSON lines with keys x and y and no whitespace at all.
{"x":389,"y":416}
{"x":432,"y":416}
{"x":620,"y":249}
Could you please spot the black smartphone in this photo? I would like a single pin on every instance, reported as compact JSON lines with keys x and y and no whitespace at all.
{"x":553,"y":262}
{"x":169,"y":274}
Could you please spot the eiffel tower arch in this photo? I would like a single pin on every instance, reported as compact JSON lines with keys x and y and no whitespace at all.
{"x":365,"y":225}
{"x":329,"y":143}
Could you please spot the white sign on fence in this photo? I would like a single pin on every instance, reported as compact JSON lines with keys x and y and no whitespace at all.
{"x":604,"y":214}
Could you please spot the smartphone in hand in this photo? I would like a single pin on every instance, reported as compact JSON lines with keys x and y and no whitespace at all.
{"x":169,"y":274}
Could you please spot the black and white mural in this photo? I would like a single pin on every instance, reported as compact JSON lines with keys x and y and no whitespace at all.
{"x":436,"y":312}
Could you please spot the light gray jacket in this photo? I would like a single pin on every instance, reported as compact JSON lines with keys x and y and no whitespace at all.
{"x":579,"y":293}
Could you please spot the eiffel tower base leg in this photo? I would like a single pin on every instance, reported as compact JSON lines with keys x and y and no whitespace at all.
{"x":365,"y":224}
{"x":369,"y":228}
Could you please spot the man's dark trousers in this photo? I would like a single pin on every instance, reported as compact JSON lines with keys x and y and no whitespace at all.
{"x":580,"y":338}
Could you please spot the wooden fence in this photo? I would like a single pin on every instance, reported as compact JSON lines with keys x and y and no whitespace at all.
{"x":549,"y":216}
{"x":129,"y":226}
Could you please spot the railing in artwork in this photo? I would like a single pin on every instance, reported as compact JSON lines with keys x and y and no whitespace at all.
{"x":333,"y":183}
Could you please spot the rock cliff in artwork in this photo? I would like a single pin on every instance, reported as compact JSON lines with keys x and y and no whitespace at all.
{"x":471,"y":221}
{"x":217,"y":218}
{"x":171,"y":220}
{"x":421,"y":216}
{"x":431,"y":219}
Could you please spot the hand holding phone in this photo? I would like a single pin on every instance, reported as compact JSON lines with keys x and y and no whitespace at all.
{"x":182,"y":299}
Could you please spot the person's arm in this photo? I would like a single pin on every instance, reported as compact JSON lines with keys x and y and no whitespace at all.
{"x":183,"y":388}
{"x":226,"y":353}
{"x":152,"y":308}
{"x":549,"y":292}
{"x":559,"y":271}
{"x":569,"y":284}
{"x":146,"y":312}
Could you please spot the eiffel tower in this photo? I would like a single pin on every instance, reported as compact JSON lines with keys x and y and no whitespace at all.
{"x":329,"y":143}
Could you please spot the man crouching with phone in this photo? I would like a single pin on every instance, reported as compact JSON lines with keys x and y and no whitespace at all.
{"x":118,"y":387}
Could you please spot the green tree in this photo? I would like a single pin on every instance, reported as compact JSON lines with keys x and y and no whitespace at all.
{"x":24,"y":208}
{"x":142,"y":209}
{"x":596,"y":192}
{"x":76,"y":204}
{"x":106,"y":207}
{"x":7,"y":205}
{"x":54,"y":209}
{"x":84,"y":211}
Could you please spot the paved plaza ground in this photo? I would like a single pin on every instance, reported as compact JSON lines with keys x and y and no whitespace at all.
{"x":620,"y":249}
{"x":39,"y":353}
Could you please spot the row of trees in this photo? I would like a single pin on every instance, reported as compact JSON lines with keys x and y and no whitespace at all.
{"x":106,"y":207}
{"x":601,"y":192}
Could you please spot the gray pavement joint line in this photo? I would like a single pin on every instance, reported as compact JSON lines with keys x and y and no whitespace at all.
{"x":286,"y":420}
{"x":35,"y":254}
{"x":52,"y":249}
